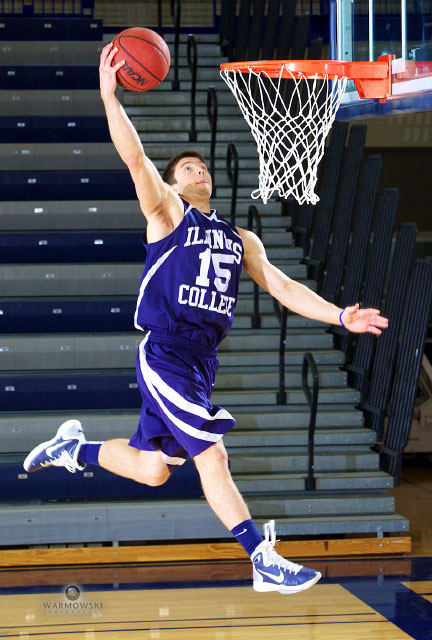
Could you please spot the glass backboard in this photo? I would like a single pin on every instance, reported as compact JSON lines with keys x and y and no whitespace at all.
{"x":363,"y":30}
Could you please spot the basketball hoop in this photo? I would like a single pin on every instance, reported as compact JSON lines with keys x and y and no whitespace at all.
{"x":290,"y":106}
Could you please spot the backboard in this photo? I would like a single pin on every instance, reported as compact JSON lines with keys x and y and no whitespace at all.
{"x":362,"y":30}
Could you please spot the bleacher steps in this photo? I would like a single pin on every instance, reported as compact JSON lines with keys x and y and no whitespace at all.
{"x":88,"y":279}
{"x":120,"y":246}
{"x":224,"y":137}
{"x":245,"y":300}
{"x":111,"y":313}
{"x":99,"y":368}
{"x":66,"y":351}
{"x":155,"y":99}
{"x":87,"y":102}
{"x":165,"y":123}
{"x":286,"y":461}
{"x":106,"y":215}
{"x":268,"y":321}
{"x":79,"y":156}
{"x":164,"y":520}
{"x":274,"y":483}
{"x":113,"y":389}
{"x":233,"y":348}
{"x":99,"y":314}
{"x":235,"y":397}
{"x":25,"y":429}
{"x":242,"y":340}
{"x":87,"y":53}
{"x":298,"y":438}
{"x":321,"y":505}
{"x":293,"y":417}
{"x":265,"y":378}
{"x":260,"y":358}
{"x":51,"y":102}
{"x":229,"y":110}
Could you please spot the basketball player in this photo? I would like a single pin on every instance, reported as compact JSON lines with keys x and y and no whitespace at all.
{"x":185,"y":305}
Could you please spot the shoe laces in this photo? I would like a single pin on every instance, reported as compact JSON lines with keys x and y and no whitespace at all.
{"x":65,"y":460}
{"x":272,"y":558}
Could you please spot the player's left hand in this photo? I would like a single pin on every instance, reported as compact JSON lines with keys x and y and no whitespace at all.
{"x":364,"y":320}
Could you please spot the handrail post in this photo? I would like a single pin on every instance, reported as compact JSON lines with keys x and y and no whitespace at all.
{"x":192,"y":58}
{"x":159,"y":17}
{"x":175,"y":14}
{"x":253,"y":214}
{"x":212,"y":115}
{"x":233,"y":171}
{"x":281,"y":396}
{"x":312,"y":399}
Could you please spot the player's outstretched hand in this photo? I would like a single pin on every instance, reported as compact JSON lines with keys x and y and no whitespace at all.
{"x":364,"y":320}
{"x":107,"y":72}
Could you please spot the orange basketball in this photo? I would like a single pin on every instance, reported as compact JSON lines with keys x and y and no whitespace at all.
{"x":147,"y":58}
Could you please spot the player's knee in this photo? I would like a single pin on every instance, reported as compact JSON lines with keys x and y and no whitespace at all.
{"x":214,"y":456}
{"x":152,"y":478}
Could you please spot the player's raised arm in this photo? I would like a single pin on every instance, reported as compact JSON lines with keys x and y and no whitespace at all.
{"x":154,"y":195}
{"x":300,"y":299}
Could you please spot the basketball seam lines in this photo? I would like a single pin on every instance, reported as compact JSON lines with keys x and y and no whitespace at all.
{"x":138,"y":62}
{"x":152,"y":44}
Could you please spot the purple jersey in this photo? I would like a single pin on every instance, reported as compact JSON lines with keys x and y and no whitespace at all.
{"x":191,"y":278}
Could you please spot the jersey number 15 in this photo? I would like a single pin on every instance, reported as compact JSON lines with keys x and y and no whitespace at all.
{"x":223,"y":276}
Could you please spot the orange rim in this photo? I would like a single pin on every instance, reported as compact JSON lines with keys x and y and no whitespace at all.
{"x":372,"y":79}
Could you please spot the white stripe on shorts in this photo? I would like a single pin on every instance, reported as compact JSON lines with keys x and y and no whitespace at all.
{"x":183,"y":426}
{"x":171,"y":459}
{"x":175,"y":398}
{"x":146,"y":280}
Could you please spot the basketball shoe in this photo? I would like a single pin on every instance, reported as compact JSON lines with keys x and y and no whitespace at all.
{"x":271,"y":572}
{"x":60,"y":451}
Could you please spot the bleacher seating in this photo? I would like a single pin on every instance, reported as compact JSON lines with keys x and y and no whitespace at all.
{"x":69,"y":343}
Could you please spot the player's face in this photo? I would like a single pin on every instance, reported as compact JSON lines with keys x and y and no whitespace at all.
{"x":193,"y":178}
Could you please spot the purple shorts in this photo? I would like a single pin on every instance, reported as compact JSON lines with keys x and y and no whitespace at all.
{"x":176,"y":382}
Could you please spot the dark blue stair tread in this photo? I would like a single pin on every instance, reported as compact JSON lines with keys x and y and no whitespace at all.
{"x":58,"y":484}
{"x":54,"y":315}
{"x":32,"y":129}
{"x":23,"y":27}
{"x":66,"y":185}
{"x":42,"y":77}
{"x":49,"y":247}
{"x":90,"y":390}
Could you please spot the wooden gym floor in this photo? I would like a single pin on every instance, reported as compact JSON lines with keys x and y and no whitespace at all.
{"x":372,"y":598}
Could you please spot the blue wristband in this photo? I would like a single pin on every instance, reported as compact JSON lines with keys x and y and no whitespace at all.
{"x":340,"y":319}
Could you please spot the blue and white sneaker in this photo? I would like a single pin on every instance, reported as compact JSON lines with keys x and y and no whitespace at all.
{"x":60,"y":451}
{"x":271,"y":572}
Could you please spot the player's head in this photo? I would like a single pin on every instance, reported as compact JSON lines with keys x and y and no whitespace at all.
{"x":188,"y":174}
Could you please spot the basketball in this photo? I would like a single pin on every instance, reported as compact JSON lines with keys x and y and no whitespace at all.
{"x":147,"y":58}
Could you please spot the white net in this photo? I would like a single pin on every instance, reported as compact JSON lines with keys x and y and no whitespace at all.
{"x":290,"y":120}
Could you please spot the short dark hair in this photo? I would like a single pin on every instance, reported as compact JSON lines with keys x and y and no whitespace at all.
{"x":168,"y":172}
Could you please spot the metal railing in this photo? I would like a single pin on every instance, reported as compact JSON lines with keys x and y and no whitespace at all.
{"x":311,"y":396}
{"x":212,"y":115}
{"x":233,"y":173}
{"x":282,"y":316}
{"x":175,"y":15}
{"x":253,"y":215}
{"x":192,"y":58}
{"x":312,"y":399}
{"x":159,"y":18}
